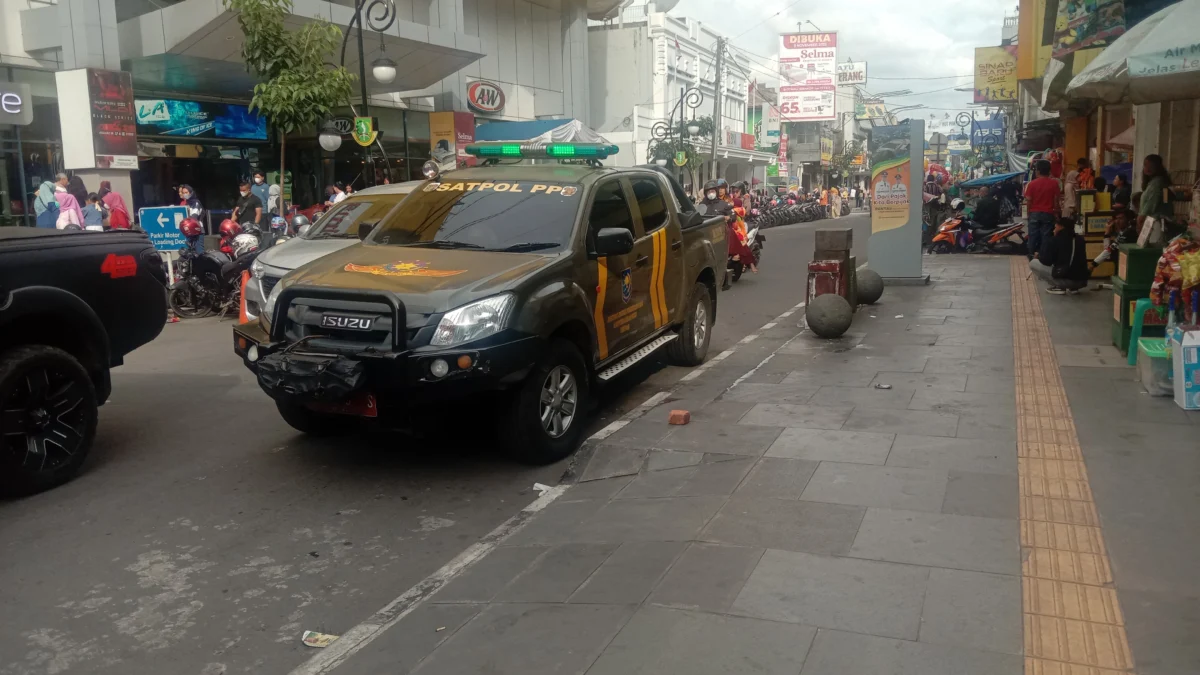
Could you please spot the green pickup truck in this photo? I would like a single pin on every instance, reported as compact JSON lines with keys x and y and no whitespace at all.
{"x":539,"y":280}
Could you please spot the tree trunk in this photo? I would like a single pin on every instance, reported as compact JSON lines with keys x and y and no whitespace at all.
{"x":282,"y":173}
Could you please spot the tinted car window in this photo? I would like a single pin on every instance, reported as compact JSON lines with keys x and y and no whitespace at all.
{"x":342,"y":221}
{"x":650,"y":203}
{"x":610,"y":208}
{"x":501,"y":216}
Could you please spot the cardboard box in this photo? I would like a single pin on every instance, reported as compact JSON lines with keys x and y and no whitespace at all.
{"x":1185,"y":357}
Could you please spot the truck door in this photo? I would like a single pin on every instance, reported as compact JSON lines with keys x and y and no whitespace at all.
{"x":621,"y":299}
{"x":661,"y":232}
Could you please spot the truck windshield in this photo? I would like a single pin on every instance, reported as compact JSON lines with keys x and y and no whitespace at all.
{"x":513,"y":216}
{"x":343,"y":220}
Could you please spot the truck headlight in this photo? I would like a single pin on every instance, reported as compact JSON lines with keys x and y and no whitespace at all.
{"x":257,"y":269}
{"x":268,"y":310}
{"x":474,"y":321}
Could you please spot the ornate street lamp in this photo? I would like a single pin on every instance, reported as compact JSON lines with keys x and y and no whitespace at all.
{"x":380,"y":15}
{"x":664,"y":132}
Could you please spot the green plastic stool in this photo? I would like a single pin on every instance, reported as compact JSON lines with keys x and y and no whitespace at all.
{"x":1139,"y":309}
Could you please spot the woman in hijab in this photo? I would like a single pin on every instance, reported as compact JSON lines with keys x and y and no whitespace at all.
{"x":45,"y":206}
{"x":77,"y":189}
{"x":69,"y":211}
{"x":118,"y":213}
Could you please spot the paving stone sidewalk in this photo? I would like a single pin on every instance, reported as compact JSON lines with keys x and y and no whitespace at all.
{"x":807,"y":521}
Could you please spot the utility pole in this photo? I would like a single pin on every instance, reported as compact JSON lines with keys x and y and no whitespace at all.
{"x":717,"y":101}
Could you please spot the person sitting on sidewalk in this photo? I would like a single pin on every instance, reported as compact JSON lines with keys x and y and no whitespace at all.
{"x":1122,"y":229}
{"x":1062,"y":261}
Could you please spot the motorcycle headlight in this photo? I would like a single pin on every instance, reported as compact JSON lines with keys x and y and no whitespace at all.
{"x":474,"y":321}
{"x":257,"y":269}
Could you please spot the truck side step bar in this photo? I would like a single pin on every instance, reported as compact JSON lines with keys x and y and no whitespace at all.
{"x":627,"y":362}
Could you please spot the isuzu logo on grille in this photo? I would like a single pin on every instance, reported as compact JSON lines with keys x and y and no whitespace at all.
{"x":348,"y":322}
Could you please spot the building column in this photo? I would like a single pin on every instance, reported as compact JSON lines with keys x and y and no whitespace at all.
{"x":576,"y":94}
{"x":448,"y":16}
{"x":89,"y":34}
{"x":1146,"y":136}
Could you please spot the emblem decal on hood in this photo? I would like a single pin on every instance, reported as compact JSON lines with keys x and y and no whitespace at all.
{"x":414,"y":268}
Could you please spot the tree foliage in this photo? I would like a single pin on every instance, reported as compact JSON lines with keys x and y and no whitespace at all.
{"x":299,"y":89}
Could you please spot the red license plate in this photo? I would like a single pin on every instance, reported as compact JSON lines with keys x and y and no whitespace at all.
{"x":360,"y":405}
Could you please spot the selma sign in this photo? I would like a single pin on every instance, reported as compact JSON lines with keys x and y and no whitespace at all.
{"x":16,"y":103}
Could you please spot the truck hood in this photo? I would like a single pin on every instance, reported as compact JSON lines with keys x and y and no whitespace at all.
{"x":427,"y":280}
{"x":296,"y":251}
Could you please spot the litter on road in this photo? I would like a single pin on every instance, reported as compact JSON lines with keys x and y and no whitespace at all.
{"x":319,"y":640}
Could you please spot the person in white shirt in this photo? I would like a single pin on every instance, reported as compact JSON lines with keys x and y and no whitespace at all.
{"x":882,"y":189}
{"x":899,"y":188}
{"x":335,"y":194}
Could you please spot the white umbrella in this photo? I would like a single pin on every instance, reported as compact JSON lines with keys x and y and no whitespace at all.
{"x":1156,"y":60}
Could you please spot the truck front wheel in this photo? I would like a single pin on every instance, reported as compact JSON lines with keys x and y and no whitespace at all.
{"x":547,"y":414}
{"x":690,"y":348}
{"x":47,"y":418}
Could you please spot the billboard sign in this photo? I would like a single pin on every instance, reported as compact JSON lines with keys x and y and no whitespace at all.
{"x":851,"y":73}
{"x":807,"y":76}
{"x":199,"y":119}
{"x":987,"y":132}
{"x":114,"y":126}
{"x":870,"y":109}
{"x":995,"y":74}
{"x":891,"y":177}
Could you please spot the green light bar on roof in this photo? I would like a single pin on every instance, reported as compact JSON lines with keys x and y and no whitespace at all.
{"x":543,"y":151}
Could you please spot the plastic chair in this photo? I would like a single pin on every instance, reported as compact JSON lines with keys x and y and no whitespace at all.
{"x":1139,"y":309}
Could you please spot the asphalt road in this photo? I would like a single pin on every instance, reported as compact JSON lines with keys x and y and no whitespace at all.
{"x":205,"y":535}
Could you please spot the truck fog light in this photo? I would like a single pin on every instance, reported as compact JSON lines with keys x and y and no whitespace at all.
{"x":252,"y":353}
{"x":439,"y":368}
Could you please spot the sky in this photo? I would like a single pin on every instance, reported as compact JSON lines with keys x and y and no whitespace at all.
{"x":897,"y":39}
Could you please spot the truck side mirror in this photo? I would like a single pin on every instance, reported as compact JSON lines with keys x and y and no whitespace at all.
{"x":613,"y":241}
{"x":364,"y":230}
{"x":693,"y":218}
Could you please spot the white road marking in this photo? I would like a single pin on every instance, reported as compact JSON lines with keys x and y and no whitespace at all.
{"x":692,"y":375}
{"x":768,"y":326}
{"x":748,"y":339}
{"x":609,"y":430}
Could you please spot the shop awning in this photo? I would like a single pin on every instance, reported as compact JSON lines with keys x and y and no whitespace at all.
{"x":1123,"y":140}
{"x":990,"y":180}
{"x":1152,"y":62}
{"x":195,"y":47}
{"x":538,"y":131}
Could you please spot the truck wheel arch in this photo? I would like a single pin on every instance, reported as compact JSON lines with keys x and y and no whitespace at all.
{"x":51,"y":316}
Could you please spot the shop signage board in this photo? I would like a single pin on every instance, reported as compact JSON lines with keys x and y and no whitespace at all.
{"x":204,"y":119}
{"x":16,"y":104}
{"x":826,"y":150}
{"x":987,"y":132}
{"x":995,"y":74}
{"x":364,"y":131}
{"x":782,"y":156}
{"x":851,"y":73}
{"x":807,"y":76}
{"x":870,"y":109}
{"x":161,"y":224}
{"x":485,"y":97}
{"x":1079,"y":25}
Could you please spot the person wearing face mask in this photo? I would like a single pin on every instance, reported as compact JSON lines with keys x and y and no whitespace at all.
{"x":249,"y":208}
{"x":187,"y":198}
{"x":260,"y":189}
{"x":737,"y":245}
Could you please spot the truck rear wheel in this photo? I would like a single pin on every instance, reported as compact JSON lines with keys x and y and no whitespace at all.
{"x":47,"y":418}
{"x":692,"y":345}
{"x":546,"y":420}
{"x":312,"y":422}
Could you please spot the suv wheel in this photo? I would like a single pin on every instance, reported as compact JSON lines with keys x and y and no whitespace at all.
{"x":690,"y":348}
{"x":47,"y":418}
{"x":312,"y":422}
{"x":548,"y":414}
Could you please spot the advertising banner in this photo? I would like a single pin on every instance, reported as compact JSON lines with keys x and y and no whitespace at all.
{"x":807,"y":76}
{"x":114,"y":124}
{"x":870,"y":109}
{"x":199,"y":119}
{"x":995,"y":74}
{"x":449,"y":135}
{"x":826,"y":150}
{"x":1087,"y":24}
{"x":853,"y":73}
{"x":783,"y":155}
{"x":891,"y":177}
{"x":987,"y":132}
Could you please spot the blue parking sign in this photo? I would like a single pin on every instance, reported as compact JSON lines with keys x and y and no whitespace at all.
{"x":162,"y":225}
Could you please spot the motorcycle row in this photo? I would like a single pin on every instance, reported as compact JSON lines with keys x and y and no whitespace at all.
{"x":958,"y":233}
{"x":210,"y":282}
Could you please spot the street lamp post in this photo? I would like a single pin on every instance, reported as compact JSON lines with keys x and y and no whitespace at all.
{"x":379,"y":16}
{"x":664,"y":132}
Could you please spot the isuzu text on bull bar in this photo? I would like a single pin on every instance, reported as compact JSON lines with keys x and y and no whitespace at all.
{"x":540,"y":281}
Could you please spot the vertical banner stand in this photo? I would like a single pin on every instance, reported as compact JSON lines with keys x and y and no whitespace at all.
{"x":896,"y":193}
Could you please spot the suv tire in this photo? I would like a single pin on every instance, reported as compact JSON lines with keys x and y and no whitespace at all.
{"x":691,"y":347}
{"x":312,"y":422}
{"x":556,"y":389}
{"x":48,"y":411}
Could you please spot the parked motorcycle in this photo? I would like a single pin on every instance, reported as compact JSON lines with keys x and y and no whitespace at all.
{"x":952,"y":235}
{"x":210,"y":282}
{"x":1003,"y":239}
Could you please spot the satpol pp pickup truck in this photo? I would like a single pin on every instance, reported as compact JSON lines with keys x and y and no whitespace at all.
{"x":539,"y":280}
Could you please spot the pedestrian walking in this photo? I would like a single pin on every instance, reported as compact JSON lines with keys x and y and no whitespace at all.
{"x":261,"y":190}
{"x":69,"y":213}
{"x":46,"y":206}
{"x":118,"y":213}
{"x":1043,"y":196}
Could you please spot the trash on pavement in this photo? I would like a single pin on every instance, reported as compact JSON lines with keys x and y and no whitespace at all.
{"x":319,"y":640}
{"x":440,"y":629}
{"x":880,"y":385}
{"x":899,"y":316}
{"x":679,"y":417}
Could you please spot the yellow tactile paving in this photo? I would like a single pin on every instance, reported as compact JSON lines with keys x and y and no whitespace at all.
{"x":1073,"y":620}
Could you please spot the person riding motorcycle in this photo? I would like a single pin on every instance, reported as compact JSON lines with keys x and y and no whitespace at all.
{"x":737,"y":242}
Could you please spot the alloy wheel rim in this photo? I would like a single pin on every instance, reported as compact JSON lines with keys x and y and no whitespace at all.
{"x":44,"y":419}
{"x":558,"y":402}
{"x":700,"y":325}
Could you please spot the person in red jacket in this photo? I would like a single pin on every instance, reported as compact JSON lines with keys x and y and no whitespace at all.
{"x":1044,"y":198}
